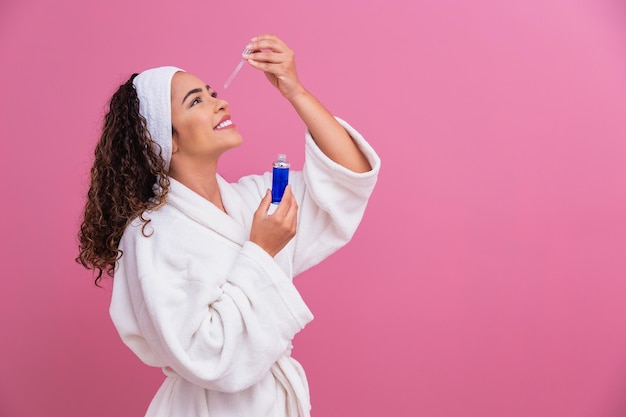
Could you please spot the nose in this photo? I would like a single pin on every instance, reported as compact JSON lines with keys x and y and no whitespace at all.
{"x":221,"y":104}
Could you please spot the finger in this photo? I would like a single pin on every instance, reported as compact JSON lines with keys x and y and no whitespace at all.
{"x":266,"y":201}
{"x":292,"y":215}
{"x":267,"y":42}
{"x":292,"y":197}
{"x":265,"y":36}
{"x":276,"y":69}
{"x":288,"y":191}
{"x":267,"y":57}
{"x":293,"y":203}
{"x":265,"y":67}
{"x":285,"y":203}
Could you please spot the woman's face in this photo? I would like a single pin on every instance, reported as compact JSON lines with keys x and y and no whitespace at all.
{"x":202,"y":129}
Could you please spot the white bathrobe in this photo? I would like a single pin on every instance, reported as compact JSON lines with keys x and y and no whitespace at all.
{"x":198,"y":299}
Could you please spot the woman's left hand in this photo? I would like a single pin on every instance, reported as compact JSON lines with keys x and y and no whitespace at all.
{"x":272,"y":56}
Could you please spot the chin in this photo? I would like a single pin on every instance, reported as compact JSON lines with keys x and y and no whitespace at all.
{"x":233,"y":144}
{"x":239,"y":141}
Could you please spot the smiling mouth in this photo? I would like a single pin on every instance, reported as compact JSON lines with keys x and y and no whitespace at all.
{"x":223,"y":124}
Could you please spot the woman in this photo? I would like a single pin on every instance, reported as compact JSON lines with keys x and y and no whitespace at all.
{"x":202,"y":271}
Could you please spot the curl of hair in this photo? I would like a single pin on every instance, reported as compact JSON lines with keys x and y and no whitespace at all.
{"x":125,"y":170}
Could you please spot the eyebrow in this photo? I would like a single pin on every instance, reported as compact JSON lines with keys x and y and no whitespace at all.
{"x":194,"y":91}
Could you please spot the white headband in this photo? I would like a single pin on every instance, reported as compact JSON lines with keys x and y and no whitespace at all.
{"x":154,"y":88}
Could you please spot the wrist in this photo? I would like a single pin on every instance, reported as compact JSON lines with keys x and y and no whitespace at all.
{"x":296,"y":94}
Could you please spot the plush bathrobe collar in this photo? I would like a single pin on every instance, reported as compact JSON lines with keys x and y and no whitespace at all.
{"x":230,"y":225}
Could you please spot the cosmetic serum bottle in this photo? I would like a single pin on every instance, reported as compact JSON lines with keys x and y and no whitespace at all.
{"x":280,"y":177}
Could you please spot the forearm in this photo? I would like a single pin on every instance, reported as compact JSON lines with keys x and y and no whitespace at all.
{"x":276,"y":60}
{"x":328,"y":134}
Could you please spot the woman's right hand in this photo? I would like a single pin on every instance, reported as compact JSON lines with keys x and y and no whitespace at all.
{"x":273,"y":231}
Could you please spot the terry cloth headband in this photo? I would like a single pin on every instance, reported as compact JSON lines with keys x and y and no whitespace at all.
{"x":154,"y":88}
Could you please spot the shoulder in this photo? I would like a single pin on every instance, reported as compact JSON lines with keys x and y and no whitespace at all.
{"x":253,"y":184}
{"x":154,"y":228}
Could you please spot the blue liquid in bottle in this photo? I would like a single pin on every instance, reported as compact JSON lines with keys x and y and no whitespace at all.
{"x":280,"y":178}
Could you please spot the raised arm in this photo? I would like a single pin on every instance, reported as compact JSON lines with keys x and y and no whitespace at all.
{"x":272,"y":56}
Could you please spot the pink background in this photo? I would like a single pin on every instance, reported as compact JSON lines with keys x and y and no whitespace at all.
{"x":489,"y":275}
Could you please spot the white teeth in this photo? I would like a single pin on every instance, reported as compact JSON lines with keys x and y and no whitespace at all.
{"x":224,"y":124}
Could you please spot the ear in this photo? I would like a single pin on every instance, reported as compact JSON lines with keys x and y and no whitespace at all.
{"x":174,"y":142}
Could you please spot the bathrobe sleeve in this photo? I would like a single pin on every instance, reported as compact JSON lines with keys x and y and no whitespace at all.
{"x":331,"y":198}
{"x":218,"y":323}
{"x":332,"y":201}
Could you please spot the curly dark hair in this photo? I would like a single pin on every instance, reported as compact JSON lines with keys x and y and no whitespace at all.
{"x":125,"y":170}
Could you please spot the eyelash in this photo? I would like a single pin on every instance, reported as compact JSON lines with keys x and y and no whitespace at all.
{"x":197,"y":100}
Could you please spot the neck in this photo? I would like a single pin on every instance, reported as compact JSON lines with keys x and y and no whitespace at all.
{"x":201,"y":180}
